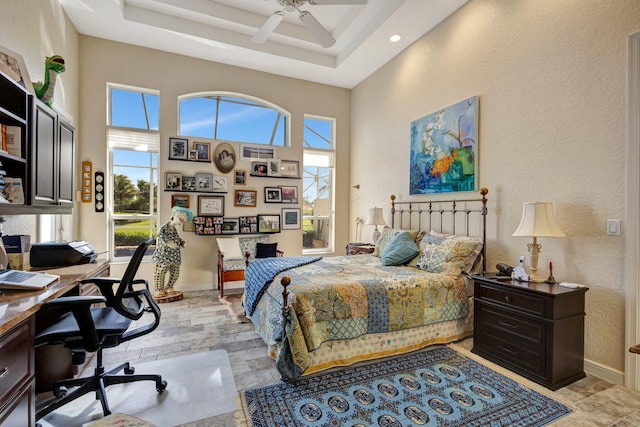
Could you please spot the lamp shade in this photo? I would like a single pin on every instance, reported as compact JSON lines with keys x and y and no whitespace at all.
{"x":375,"y":217}
{"x":538,"y":220}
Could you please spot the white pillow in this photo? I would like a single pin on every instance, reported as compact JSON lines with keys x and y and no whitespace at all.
{"x":230,"y":247}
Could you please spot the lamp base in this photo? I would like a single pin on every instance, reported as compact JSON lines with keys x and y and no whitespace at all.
{"x":375,"y":236}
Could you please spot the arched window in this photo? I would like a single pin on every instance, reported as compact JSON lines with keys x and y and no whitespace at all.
{"x":233,"y":117}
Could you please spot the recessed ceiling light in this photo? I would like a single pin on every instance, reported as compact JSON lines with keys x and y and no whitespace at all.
{"x":395,"y":38}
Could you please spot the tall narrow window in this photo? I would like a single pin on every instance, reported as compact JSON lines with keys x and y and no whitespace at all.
{"x":318,"y":184}
{"x":133,"y":139}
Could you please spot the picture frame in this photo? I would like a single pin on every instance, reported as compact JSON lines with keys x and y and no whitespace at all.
{"x":13,"y":65}
{"x":272,"y":195}
{"x":290,"y":168}
{"x":173,"y":181}
{"x":193,"y":155}
{"x":203,"y":151}
{"x":289,"y":193}
{"x":245,"y":198}
{"x":230,"y":226}
{"x":204,"y":182}
{"x":273,"y":167}
{"x":219,"y":184}
{"x":259,"y":168}
{"x":240,"y":176}
{"x":248,"y":224}
{"x":210,"y":206}
{"x":178,"y":148}
{"x":250,"y":152}
{"x":208,"y":225}
{"x":188,"y":183}
{"x":291,"y":218}
{"x":224,"y":157}
{"x":268,"y":224}
{"x":181,"y":200}
{"x":189,"y":226}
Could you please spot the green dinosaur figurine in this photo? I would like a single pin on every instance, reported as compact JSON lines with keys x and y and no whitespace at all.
{"x":53,"y":66}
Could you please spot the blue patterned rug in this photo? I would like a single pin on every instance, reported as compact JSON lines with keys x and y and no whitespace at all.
{"x":435,"y":387}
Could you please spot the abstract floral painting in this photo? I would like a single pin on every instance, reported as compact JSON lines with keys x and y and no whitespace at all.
{"x":444,"y":150}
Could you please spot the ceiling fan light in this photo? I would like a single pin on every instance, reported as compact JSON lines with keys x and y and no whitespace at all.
{"x":321,"y":34}
{"x":268,"y":27}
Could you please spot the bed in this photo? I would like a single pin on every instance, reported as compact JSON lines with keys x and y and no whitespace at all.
{"x":318,"y":313}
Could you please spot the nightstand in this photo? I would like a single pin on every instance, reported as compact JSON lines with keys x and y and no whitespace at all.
{"x":359,"y":248}
{"x":533,"y":329}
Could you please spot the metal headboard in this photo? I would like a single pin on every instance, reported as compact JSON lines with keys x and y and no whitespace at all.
{"x":419,"y":215}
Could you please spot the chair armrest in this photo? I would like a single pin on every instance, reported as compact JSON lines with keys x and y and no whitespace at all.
{"x":73,"y":302}
{"x":105,"y":284}
{"x":152,"y":306}
{"x":279,"y":252}
{"x":141,"y":282}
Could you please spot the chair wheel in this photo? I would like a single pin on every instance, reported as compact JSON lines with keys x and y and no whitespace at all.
{"x":60,"y":392}
{"x":130,"y":370}
{"x":162,"y":387}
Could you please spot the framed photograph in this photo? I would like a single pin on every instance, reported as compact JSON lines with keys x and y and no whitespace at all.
{"x":181,"y":200}
{"x":210,"y":205}
{"x":178,"y":149}
{"x":245,"y":198}
{"x":272,"y":195}
{"x":189,"y":226}
{"x":203,"y":150}
{"x":12,"y":64}
{"x":173,"y":181}
{"x":240,"y":177}
{"x":248,"y":152}
{"x":291,"y":218}
{"x":188,"y":183}
{"x":230,"y":226}
{"x":273,"y":167}
{"x":193,"y":155}
{"x":268,"y":223}
{"x":204,"y":182}
{"x":248,"y":224}
{"x":219,"y":184}
{"x":289,"y":193}
{"x":208,"y":225}
{"x":290,"y":168}
{"x":224,"y":157}
{"x":259,"y":168}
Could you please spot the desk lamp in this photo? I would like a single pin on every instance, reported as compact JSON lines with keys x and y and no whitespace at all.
{"x":375,"y":218}
{"x":537,"y":220}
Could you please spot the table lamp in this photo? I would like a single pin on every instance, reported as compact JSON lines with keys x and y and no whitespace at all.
{"x":375,"y":218}
{"x":537,"y":220}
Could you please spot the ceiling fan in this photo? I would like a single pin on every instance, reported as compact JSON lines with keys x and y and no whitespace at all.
{"x":322,"y":35}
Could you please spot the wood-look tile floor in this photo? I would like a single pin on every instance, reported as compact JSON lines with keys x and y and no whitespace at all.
{"x":200,"y":322}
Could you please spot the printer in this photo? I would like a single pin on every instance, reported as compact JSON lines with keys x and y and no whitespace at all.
{"x":60,"y":254}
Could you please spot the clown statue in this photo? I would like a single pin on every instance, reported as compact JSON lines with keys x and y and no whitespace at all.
{"x":166,"y":258}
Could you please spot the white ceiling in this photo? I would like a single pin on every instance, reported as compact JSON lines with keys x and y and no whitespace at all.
{"x":221,"y":31}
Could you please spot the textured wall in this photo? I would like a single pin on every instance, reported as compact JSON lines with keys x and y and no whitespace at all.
{"x":551,"y":77}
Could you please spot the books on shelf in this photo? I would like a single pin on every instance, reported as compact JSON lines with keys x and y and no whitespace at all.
{"x":13,"y":190}
{"x":12,"y":141}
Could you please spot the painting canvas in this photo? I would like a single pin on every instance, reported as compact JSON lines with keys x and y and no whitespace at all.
{"x":444,"y":146}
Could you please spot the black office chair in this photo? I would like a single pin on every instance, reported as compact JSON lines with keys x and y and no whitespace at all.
{"x":84,"y":329}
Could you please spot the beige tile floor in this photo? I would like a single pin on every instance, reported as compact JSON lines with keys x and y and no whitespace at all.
{"x":201,"y":323}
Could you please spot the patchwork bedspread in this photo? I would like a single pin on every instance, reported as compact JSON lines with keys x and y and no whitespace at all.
{"x":345,"y":297}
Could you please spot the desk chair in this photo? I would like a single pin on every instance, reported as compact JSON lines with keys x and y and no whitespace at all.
{"x":85,"y":329}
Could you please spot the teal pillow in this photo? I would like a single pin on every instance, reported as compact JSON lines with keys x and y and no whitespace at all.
{"x":400,"y":249}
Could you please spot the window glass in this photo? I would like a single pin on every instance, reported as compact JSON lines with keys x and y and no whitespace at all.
{"x":133,"y":109}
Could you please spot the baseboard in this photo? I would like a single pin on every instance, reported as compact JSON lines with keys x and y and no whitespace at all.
{"x":604,"y":372}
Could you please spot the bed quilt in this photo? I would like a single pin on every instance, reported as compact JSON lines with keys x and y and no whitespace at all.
{"x":345,"y":297}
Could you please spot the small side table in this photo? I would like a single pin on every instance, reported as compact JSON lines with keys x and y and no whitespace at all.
{"x":360,"y":248}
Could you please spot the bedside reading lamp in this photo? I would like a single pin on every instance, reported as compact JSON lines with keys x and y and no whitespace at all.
{"x":537,"y":220}
{"x":375,"y":218}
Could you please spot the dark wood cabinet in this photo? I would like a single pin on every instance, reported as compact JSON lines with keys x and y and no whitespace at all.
{"x":533,"y":329}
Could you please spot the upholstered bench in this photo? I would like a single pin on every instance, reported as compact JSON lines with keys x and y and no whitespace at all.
{"x":234,"y":253}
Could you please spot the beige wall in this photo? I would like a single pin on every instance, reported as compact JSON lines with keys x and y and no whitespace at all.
{"x":551,"y":78}
{"x":173,"y":75}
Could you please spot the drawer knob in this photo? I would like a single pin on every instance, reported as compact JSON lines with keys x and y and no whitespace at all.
{"x":4,"y":372}
{"x":508,"y":298}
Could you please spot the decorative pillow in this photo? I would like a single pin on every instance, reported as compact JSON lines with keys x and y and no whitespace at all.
{"x":230,"y":247}
{"x":400,"y":249}
{"x":387,"y":235}
{"x":248,"y":244}
{"x":266,"y":250}
{"x":451,"y":256}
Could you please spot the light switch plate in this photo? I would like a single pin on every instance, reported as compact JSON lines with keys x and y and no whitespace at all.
{"x":613,"y":227}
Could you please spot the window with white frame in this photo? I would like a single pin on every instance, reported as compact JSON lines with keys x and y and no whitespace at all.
{"x":318,"y":184}
{"x":233,"y":117}
{"x":133,"y":141}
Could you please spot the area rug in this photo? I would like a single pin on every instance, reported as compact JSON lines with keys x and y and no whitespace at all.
{"x":199,"y":386}
{"x":435,"y":387}
{"x":233,"y":303}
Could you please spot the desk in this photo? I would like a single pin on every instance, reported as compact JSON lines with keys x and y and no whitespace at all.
{"x":18,"y":311}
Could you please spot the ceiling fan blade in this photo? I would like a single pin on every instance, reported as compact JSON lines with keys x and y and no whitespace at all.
{"x":312,"y":24}
{"x":268,"y":27}
{"x":320,"y":2}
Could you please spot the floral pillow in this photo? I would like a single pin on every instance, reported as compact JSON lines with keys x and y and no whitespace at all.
{"x":453,"y":255}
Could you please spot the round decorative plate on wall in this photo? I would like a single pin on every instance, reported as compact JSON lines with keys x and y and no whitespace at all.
{"x":99,"y":191}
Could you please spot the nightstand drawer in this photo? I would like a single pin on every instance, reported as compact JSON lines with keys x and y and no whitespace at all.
{"x":496,"y":321}
{"x":528,"y":302}
{"x":530,"y":359}
{"x":16,"y":361}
